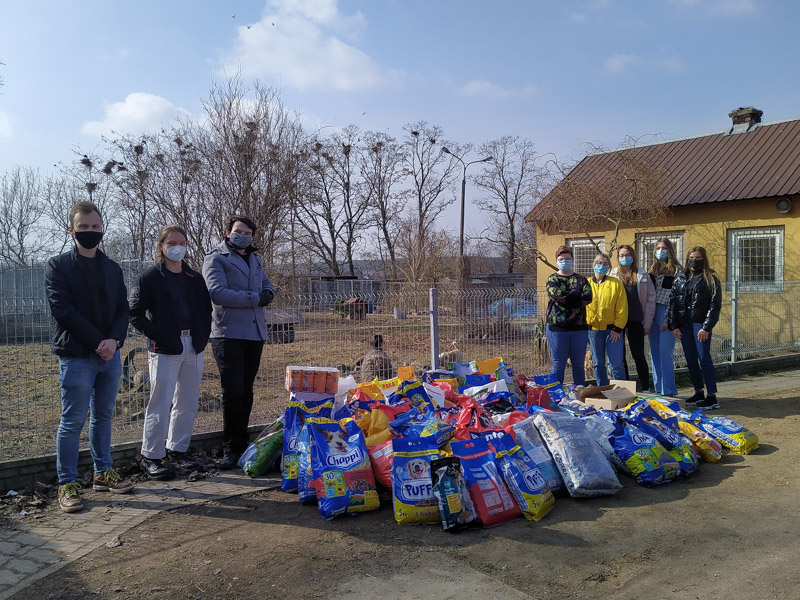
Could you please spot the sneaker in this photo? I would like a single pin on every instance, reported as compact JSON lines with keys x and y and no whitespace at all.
{"x":645,"y":392}
{"x":710,"y":403}
{"x":182,"y":461}
{"x":155,"y":469}
{"x":229,"y":458}
{"x":698,"y":397}
{"x":69,"y":497}
{"x":111,"y":481}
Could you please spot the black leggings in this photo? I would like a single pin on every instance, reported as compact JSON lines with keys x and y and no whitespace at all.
{"x":238,"y":362}
{"x":634,"y":332}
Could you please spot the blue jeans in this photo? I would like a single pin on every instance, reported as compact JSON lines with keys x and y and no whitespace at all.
{"x":564,"y":345}
{"x":602,"y":348}
{"x":88,"y":385}
{"x":662,"y":355}
{"x":698,"y":358}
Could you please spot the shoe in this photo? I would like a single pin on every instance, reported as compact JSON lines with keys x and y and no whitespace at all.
{"x":69,"y":497}
{"x":698,"y":397}
{"x":182,"y":461}
{"x":229,"y":458}
{"x":155,"y":469}
{"x":710,"y":403}
{"x":645,"y":392}
{"x":111,"y":481}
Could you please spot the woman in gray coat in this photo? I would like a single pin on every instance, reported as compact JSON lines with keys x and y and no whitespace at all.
{"x":239,"y":289}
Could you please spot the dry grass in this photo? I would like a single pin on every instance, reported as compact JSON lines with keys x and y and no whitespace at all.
{"x":30,"y":396}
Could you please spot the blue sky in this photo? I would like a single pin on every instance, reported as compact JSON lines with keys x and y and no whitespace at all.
{"x":558,"y":73}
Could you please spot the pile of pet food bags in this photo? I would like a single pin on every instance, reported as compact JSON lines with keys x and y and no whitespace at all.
{"x":475,"y":445}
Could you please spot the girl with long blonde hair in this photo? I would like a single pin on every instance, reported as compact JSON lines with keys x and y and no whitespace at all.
{"x":694,"y":308}
{"x":641,"y":296}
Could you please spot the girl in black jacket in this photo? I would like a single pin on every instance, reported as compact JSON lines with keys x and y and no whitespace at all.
{"x":694,"y":307}
{"x":171,"y":306}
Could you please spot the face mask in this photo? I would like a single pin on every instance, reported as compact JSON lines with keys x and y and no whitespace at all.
{"x":601,"y":269}
{"x":626,"y":261}
{"x":662,"y":254}
{"x":696,"y":264}
{"x":175,"y":253}
{"x":241,"y":240}
{"x":88,"y":239}
{"x":564,"y":265}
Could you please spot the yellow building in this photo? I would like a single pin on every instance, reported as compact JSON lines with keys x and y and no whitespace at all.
{"x":736,"y":193}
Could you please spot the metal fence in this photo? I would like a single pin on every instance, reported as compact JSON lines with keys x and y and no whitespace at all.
{"x":417,"y":324}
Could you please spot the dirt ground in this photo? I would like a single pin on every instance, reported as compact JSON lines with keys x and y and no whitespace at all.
{"x":729,"y":531}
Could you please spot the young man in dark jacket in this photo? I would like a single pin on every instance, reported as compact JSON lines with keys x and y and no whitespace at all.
{"x":89,"y":306}
{"x":240,"y":289}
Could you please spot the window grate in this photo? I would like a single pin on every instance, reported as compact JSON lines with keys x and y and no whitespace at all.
{"x":584,"y":252}
{"x":646,"y":246}
{"x":755,"y":257}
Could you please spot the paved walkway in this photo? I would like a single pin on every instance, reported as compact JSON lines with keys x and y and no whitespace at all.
{"x":46,"y":546}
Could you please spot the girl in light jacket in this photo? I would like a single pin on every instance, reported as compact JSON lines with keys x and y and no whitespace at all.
{"x":607,"y":316}
{"x":641,"y":295}
{"x":662,"y":272}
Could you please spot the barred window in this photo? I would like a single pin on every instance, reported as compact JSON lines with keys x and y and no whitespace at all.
{"x":646,"y":245}
{"x":584,"y":252}
{"x":755,"y":257}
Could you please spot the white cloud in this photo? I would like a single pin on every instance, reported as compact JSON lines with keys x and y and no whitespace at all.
{"x":139,"y":112}
{"x":480,"y":88}
{"x":620,"y":62}
{"x":720,"y":8}
{"x":486,"y":89}
{"x":115,"y":57}
{"x":671,"y":64}
{"x":5,"y":126}
{"x":298,"y":43}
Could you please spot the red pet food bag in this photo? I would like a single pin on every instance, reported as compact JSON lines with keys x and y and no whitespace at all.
{"x":490,"y":496}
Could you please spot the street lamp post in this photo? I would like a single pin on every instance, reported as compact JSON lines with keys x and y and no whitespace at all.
{"x":463,"y":263}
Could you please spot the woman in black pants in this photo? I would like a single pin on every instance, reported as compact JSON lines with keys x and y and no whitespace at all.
{"x":641,"y":309}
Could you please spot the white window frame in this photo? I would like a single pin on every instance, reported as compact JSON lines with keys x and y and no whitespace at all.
{"x":735,"y":266}
{"x":582,"y":244}
{"x":645,"y":259}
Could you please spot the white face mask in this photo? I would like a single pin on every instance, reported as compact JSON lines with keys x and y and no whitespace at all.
{"x":175,"y":253}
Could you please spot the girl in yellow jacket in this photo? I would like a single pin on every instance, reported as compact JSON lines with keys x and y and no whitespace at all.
{"x":607,"y":316}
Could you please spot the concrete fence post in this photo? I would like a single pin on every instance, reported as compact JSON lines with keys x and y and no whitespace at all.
{"x":434,"y":305}
{"x":734,"y":318}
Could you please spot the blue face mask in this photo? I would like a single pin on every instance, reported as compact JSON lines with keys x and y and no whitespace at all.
{"x":662,"y":254}
{"x":241,"y":240}
{"x":626,"y":261}
{"x":564,"y":265}
{"x":601,"y":269}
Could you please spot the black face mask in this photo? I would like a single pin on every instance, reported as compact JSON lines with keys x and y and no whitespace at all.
{"x":696,"y":264}
{"x":88,"y":239}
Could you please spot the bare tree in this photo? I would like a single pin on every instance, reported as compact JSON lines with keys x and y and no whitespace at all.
{"x":321,"y":214}
{"x":381,"y":159}
{"x":602,"y":192}
{"x":248,"y":146}
{"x":509,"y":185}
{"x":436,"y":248}
{"x":21,"y":214}
{"x":431,"y":173}
{"x":133,"y":169}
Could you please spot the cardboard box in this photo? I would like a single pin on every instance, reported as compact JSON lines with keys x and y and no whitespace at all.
{"x":318,"y":380}
{"x":610,"y":397}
